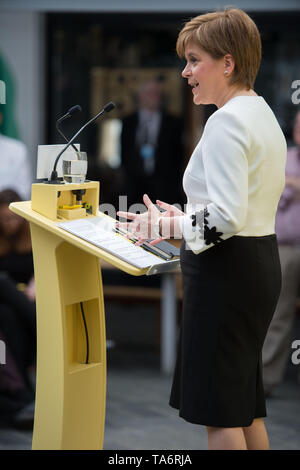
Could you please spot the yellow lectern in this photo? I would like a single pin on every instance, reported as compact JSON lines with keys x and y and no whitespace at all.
{"x":70,"y":393}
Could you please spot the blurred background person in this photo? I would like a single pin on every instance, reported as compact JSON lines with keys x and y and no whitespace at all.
{"x":277,"y":346}
{"x":15,"y":244}
{"x":17,"y":309}
{"x":151,"y":149}
{"x":15,"y":167}
{"x":16,"y":396}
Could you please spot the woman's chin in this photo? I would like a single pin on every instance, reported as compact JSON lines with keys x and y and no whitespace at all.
{"x":197,"y":100}
{"x":201,"y":100}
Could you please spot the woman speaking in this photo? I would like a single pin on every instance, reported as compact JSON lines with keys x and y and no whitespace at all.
{"x":229,"y":256}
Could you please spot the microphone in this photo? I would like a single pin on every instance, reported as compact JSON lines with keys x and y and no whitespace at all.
{"x":74,"y":110}
{"x":107,"y":108}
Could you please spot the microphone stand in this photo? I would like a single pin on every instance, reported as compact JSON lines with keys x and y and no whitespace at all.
{"x":54,"y":176}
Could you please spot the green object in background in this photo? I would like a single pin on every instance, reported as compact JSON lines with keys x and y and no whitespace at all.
{"x":8,"y":126}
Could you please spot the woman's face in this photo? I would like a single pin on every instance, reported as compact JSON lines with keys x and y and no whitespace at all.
{"x":205,"y":74}
{"x":10,"y":223}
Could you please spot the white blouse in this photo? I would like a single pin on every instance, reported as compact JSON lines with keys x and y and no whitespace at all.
{"x":235,"y":176}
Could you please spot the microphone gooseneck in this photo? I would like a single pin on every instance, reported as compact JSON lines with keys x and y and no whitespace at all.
{"x":106,"y":109}
{"x":109,"y":106}
{"x":74,"y":110}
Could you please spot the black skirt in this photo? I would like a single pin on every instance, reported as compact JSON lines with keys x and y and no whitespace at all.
{"x":230,"y":294}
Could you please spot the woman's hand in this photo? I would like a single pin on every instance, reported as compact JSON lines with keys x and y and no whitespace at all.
{"x":170,"y":211}
{"x":142,"y":225}
{"x":169,"y":221}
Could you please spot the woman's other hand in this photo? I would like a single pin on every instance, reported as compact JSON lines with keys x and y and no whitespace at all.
{"x":170,"y":210}
{"x":141,"y":225}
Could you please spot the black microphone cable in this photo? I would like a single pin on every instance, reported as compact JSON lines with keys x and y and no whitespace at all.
{"x":86,"y":334}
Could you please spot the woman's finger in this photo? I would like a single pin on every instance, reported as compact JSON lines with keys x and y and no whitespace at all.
{"x":129,"y":234}
{"x":140,"y":241}
{"x":127,"y":215}
{"x":168,"y":213}
{"x":123,"y":225}
{"x":147,"y":201}
{"x":163,"y":205}
{"x":157,"y":240}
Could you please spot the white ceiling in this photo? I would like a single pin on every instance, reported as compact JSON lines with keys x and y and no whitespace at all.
{"x":114,"y":6}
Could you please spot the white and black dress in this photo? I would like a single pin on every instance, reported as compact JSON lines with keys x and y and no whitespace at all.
{"x":230,"y":264}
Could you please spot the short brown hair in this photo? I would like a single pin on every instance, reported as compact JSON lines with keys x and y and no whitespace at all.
{"x":230,"y":31}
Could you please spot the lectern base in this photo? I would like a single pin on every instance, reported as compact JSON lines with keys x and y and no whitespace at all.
{"x":70,"y":395}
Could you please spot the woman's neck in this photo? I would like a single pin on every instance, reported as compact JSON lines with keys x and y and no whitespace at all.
{"x":232,"y":93}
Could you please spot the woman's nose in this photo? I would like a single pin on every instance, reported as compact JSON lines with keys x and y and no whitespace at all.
{"x":186,"y":72}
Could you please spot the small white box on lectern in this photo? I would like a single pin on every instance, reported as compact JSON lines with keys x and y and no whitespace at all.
{"x":46,"y":157}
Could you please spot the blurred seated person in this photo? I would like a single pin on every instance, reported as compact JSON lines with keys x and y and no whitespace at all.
{"x":15,"y":168}
{"x":17,"y":299}
{"x":15,"y":244}
{"x":151,"y":149}
{"x":278,"y":343}
{"x":16,"y":394}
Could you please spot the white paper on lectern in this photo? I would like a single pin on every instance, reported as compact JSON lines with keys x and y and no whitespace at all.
{"x":99,"y":232}
{"x":46,"y":157}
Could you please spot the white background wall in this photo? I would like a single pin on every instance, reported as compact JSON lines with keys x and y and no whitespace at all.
{"x":148,"y":5}
{"x":21,"y":45}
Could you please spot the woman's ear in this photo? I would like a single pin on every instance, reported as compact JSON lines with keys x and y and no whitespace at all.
{"x":228,"y":64}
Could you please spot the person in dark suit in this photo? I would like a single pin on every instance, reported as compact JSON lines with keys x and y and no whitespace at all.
{"x":151,"y":149}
